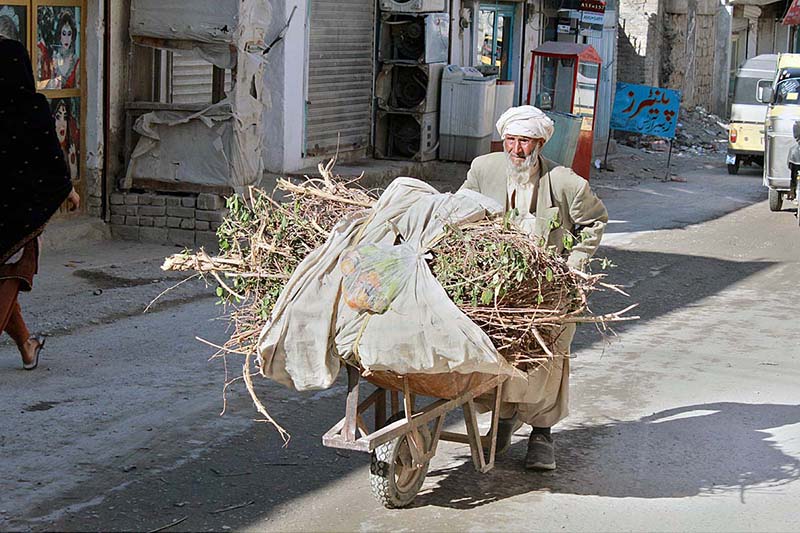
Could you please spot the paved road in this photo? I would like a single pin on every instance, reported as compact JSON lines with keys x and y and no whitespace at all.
{"x":687,"y":420}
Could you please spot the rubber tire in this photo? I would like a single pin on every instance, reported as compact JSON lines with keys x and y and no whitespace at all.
{"x":382,"y":466}
{"x":734,"y":168}
{"x":797,"y":199}
{"x":775,"y":200}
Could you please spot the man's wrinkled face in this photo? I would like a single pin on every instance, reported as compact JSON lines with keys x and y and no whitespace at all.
{"x":520,"y":148}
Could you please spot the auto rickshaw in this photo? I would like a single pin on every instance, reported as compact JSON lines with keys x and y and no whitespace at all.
{"x":783,"y":111}
{"x":746,"y":132}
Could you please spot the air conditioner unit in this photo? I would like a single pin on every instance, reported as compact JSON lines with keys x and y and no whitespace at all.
{"x":414,"y":39}
{"x":409,"y":88}
{"x":406,"y":136}
{"x":413,"y":6}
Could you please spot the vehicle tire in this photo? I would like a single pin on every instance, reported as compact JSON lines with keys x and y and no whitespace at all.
{"x":734,"y":168}
{"x":394,"y":480}
{"x":775,"y":200}
{"x":797,"y":199}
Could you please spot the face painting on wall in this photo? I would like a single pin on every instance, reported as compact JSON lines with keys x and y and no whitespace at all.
{"x":65,"y":115}
{"x":58,"y":44}
{"x":14,"y":22}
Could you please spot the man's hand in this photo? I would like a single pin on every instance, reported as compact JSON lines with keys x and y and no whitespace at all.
{"x":73,"y":200}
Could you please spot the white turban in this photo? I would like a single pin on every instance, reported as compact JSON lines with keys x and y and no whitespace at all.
{"x":527,"y":121}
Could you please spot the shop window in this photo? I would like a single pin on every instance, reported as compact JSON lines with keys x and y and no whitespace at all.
{"x":166,"y":77}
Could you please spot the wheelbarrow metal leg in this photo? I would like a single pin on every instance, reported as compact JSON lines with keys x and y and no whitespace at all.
{"x":474,"y":435}
{"x":395,"y":398}
{"x":351,"y":408}
{"x":417,"y":447}
{"x":380,"y":410}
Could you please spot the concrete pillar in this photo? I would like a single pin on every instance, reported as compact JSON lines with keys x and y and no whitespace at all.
{"x":93,"y":151}
{"x":722,"y":58}
{"x":285,"y":89}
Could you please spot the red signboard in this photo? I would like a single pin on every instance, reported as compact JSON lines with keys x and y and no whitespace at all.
{"x":792,"y":17}
{"x":595,"y":6}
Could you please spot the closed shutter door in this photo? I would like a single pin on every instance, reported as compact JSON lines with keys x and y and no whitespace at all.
{"x":340,"y":76}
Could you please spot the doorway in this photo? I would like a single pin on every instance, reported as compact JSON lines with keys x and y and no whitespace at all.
{"x":496,"y":23}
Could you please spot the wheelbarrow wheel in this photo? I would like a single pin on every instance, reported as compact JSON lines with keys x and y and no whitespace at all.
{"x":394,"y":478}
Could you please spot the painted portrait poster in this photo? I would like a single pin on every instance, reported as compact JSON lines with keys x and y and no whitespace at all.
{"x":58,"y":44}
{"x":66,"y":115}
{"x":14,"y":22}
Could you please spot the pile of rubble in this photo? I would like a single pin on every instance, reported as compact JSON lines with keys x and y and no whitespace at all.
{"x":698,"y":132}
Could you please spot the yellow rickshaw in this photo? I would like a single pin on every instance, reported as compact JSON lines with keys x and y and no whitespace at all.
{"x":746,"y":132}
{"x":783,"y":111}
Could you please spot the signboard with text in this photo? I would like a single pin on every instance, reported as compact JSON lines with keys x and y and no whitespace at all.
{"x":646,"y":110}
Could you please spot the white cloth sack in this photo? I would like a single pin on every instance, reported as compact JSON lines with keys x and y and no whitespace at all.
{"x":422,"y":331}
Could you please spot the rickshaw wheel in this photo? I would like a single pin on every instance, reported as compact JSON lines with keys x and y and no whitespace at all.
{"x":393,"y":478}
{"x":734,"y":168}
{"x":775,"y":200}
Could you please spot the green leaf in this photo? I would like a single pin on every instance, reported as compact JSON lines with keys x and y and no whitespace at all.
{"x":539,"y":299}
{"x":487,"y":296}
{"x":220,"y":291}
{"x":548,"y":273}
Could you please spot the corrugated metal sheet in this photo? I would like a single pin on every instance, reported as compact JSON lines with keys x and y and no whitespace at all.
{"x":605,"y":46}
{"x":340,"y":76}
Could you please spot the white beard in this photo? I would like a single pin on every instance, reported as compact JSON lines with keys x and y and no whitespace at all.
{"x":523,"y":173}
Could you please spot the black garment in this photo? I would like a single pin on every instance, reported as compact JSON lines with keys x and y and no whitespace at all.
{"x":34,"y":177}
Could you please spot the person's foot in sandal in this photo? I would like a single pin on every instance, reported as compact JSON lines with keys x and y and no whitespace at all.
{"x":30,"y":352}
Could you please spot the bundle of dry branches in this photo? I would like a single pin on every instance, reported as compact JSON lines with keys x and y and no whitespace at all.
{"x":518,"y":292}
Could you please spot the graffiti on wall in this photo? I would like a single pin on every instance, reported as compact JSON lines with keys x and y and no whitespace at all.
{"x":646,"y":110}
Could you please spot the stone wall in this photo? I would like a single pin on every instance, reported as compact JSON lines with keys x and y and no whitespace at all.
{"x":673,"y":68}
{"x":704,"y":62}
{"x":189,"y":220}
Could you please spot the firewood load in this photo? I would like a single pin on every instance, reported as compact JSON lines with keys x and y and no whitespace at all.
{"x":517,"y":292}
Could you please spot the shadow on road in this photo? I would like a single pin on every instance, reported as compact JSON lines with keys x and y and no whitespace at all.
{"x":657,"y":205}
{"x":682,"y":452}
{"x":662,"y":283}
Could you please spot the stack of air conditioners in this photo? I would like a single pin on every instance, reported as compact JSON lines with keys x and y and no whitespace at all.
{"x":412,"y":51}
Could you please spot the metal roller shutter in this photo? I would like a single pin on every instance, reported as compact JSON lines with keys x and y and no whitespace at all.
{"x":340,"y":76}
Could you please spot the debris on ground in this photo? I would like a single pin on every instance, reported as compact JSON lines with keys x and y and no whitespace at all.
{"x":697,"y":132}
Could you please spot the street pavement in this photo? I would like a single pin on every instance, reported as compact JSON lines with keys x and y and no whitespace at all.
{"x":685,"y":420}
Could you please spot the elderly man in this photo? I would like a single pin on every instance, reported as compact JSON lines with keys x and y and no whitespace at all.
{"x":557,"y":206}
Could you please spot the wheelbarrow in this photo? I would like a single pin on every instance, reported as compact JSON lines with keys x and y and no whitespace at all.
{"x":403,"y":444}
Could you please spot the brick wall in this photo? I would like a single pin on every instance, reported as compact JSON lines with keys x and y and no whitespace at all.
{"x":94,"y":193}
{"x":190,"y":221}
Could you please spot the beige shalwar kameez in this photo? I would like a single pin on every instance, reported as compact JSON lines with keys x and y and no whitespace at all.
{"x":560,"y":201}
